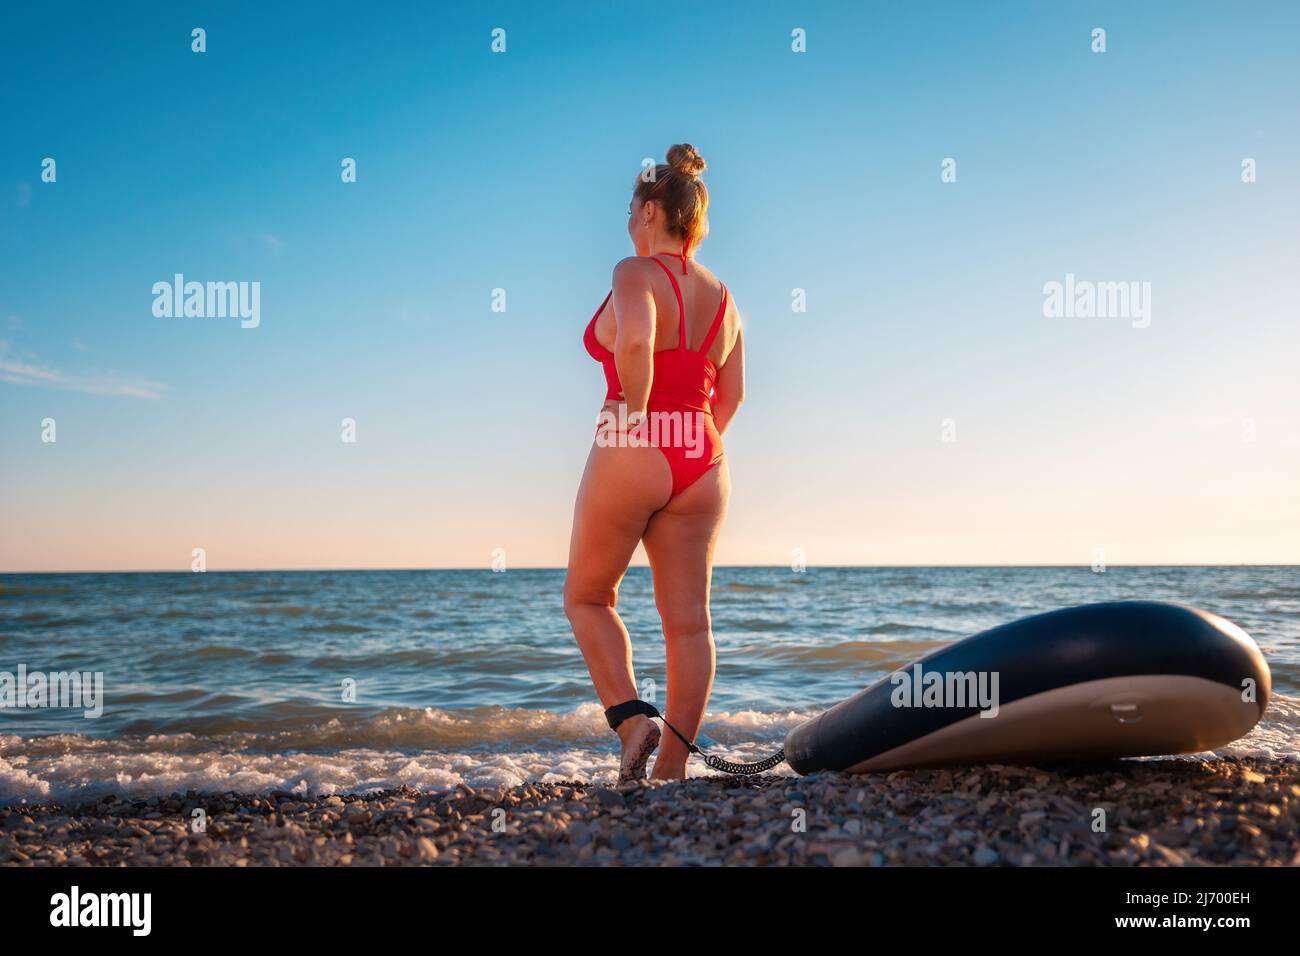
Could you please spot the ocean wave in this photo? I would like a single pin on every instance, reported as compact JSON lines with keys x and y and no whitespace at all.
{"x":1282,"y":594}
{"x":90,"y":776}
{"x":748,"y":624}
{"x":271,"y":659}
{"x":220,"y":651}
{"x":20,"y":590}
{"x":295,"y":725}
{"x":31,"y":617}
{"x":161,"y":697}
{"x":1276,"y":736}
{"x":516,"y":658}
{"x":49,"y":621}
{"x":208,"y":652}
{"x":425,"y":749}
{"x":421,"y":748}
{"x":900,"y":627}
{"x":886,"y":654}
{"x":280,"y":610}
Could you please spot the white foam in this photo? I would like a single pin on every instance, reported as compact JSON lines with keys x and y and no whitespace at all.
{"x":1275,"y":737}
{"x":92,"y":774}
{"x":71,"y":768}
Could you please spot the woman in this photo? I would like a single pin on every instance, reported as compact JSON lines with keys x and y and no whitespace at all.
{"x":668,"y":336}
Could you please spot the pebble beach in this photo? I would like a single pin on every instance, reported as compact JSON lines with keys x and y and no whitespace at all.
{"x":1155,"y":813}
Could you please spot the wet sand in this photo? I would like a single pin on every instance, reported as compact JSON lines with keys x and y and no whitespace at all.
{"x":1156,"y":813}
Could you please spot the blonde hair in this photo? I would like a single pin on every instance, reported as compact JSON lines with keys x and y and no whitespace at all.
{"x":677,"y":188}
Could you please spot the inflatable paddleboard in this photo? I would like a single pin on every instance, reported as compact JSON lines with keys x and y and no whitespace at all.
{"x":1124,"y":679}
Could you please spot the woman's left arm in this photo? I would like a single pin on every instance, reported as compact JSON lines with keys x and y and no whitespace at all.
{"x":729,"y":391}
{"x":634,"y":339}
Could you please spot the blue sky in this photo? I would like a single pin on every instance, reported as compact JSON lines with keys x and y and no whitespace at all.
{"x":479,"y":171}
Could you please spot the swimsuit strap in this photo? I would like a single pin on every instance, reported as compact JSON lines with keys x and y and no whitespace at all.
{"x":681,"y":305}
{"x":680,"y":255}
{"x":716,"y":327}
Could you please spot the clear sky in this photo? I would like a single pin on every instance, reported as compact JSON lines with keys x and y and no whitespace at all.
{"x":1174,"y":443}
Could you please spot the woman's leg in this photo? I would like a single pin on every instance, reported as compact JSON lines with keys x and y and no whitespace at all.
{"x":621,"y":488}
{"x":679,"y":543}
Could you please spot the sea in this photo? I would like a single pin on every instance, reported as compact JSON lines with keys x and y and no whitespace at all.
{"x":352,"y":681}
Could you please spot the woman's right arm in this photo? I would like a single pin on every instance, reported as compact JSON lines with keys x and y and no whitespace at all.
{"x":729,"y":390}
{"x":634,"y":335}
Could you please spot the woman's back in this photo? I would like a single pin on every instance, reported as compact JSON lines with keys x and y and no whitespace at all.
{"x":702,"y":294}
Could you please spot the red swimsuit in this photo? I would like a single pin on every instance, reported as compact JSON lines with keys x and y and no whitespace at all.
{"x":680,"y":392}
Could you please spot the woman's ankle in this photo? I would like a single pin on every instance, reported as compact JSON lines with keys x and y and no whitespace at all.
{"x":632,"y":728}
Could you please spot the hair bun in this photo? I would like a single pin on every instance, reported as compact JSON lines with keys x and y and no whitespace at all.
{"x":684,"y":159}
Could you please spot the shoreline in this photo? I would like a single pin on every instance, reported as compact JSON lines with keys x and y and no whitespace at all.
{"x":1235,"y":811}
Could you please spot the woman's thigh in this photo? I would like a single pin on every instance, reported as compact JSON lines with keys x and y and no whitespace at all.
{"x":621,"y":488}
{"x":679,"y":541}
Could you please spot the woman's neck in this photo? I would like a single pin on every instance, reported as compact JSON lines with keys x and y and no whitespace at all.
{"x":667,"y":249}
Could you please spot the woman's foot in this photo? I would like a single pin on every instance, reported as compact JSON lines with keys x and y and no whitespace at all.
{"x":665,"y":771}
{"x":640,"y":737}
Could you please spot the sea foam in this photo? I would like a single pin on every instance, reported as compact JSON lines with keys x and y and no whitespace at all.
{"x":68,"y":767}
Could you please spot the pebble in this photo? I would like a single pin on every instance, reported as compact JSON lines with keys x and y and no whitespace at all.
{"x":848,"y":856}
{"x":1162,"y":813}
{"x":985,"y":856}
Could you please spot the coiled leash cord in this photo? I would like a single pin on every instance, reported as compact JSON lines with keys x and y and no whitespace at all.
{"x":745,"y":769}
{"x":620,"y":712}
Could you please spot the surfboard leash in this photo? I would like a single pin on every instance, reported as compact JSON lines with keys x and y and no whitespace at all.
{"x":743,"y":769}
{"x":620,"y":712}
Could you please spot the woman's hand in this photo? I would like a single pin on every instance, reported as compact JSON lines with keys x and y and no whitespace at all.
{"x":616,"y":418}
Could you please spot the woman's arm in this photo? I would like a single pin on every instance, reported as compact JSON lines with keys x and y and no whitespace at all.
{"x":729,"y":391}
{"x":634,"y":338}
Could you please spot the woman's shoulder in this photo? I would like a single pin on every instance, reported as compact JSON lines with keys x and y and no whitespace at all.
{"x":633,"y":266}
